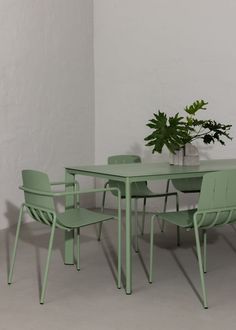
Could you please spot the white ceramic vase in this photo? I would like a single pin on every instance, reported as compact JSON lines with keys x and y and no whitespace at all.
{"x":187,"y":155}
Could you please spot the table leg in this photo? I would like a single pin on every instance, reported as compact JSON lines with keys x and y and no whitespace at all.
{"x":69,"y":235}
{"x":128,"y":237}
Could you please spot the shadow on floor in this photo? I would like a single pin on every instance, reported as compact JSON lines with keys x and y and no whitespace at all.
{"x":167,"y":240}
{"x":35,"y":234}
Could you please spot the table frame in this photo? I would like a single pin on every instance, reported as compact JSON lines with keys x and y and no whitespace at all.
{"x":144,"y":172}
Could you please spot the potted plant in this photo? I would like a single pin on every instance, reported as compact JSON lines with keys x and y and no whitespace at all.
{"x":177,"y":133}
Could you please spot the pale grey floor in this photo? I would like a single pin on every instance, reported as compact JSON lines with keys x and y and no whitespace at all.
{"x":89,"y":299}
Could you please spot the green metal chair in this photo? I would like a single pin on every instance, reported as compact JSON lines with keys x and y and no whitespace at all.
{"x":39,"y":203}
{"x":138,"y":190}
{"x":216,"y":207}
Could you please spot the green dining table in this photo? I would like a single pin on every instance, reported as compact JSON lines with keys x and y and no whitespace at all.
{"x":129,"y":173}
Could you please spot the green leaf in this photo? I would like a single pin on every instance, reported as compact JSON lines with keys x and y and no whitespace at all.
{"x":195,"y":107}
{"x":171,"y":132}
{"x":175,"y":131}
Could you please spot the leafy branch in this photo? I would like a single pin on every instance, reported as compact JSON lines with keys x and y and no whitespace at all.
{"x":211,"y":131}
{"x":174,"y":132}
{"x":171,"y":132}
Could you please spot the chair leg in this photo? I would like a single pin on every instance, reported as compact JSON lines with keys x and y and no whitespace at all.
{"x":15,"y":245}
{"x":136,"y":224}
{"x":100,"y":231}
{"x":78,"y":248}
{"x":165,"y":205}
{"x":102,"y":209}
{"x":119,"y":248}
{"x":162,"y":226}
{"x":178,"y":228}
{"x":45,"y":278}
{"x":177,"y":202}
{"x":143,"y":215}
{"x":178,"y":235}
{"x":204,"y":250}
{"x":200,"y":266}
{"x":151,"y":249}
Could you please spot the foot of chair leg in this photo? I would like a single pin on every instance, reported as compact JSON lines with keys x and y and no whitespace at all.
{"x":66,"y":264}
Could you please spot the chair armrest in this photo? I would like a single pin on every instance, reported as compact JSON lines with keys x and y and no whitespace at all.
{"x":37,"y":192}
{"x":65,"y":193}
{"x":79,"y":192}
{"x":57,"y":183}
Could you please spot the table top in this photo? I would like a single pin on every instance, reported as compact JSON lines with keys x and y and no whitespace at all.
{"x":153,"y":170}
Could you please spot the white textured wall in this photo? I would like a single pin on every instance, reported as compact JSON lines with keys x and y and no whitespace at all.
{"x":46,"y":91}
{"x":161,"y":54}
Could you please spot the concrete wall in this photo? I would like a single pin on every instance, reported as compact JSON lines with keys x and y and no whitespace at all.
{"x":46,"y":92}
{"x":149,"y":55}
{"x":163,"y":54}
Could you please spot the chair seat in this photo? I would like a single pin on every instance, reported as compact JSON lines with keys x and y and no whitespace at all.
{"x":79,"y":217}
{"x":182,"y":218}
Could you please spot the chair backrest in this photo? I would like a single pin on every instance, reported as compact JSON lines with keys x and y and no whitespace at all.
{"x":124,"y":159}
{"x":190,"y":185}
{"x":36,"y":180}
{"x":217,"y":202}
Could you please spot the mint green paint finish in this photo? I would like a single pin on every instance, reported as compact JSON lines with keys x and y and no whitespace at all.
{"x":45,"y":277}
{"x":37,"y":180}
{"x":218,"y":191}
{"x":78,"y":248}
{"x":200,"y":265}
{"x":39,"y":203}
{"x":15,"y":244}
{"x":136,"y":224}
{"x":69,"y":235}
{"x":216,"y":207}
{"x":152,"y":171}
{"x":205,"y":250}
{"x":119,"y":240}
{"x":189,"y":185}
{"x":137,"y":172}
{"x":138,"y":190}
{"x":192,"y":185}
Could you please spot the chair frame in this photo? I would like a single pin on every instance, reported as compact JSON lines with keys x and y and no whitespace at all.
{"x":49,"y":217}
{"x":155,"y":195}
{"x":143,"y":213}
{"x":201,"y":221}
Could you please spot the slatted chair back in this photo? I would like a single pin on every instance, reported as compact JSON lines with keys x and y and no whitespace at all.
{"x":217,"y":202}
{"x":41,"y":208}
